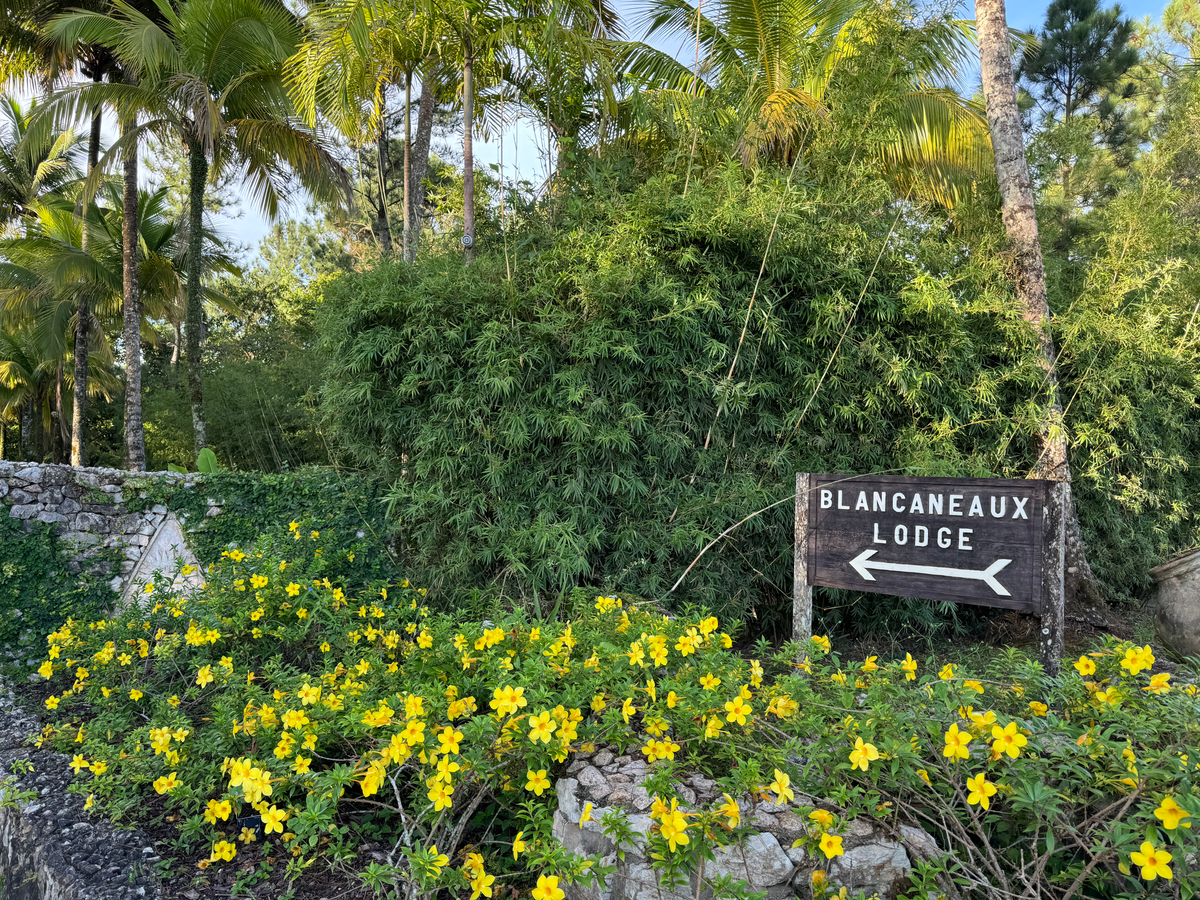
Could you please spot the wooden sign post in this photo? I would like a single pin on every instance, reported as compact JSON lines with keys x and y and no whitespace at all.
{"x":990,"y":542}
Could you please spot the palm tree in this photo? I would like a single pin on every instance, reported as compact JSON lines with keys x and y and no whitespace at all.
{"x":780,"y":60}
{"x":30,"y":169}
{"x":23,"y":29}
{"x":354,"y":52}
{"x":210,"y":75}
{"x":1020,"y":222}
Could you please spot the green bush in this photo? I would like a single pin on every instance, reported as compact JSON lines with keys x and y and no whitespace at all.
{"x":37,"y":592}
{"x":574,"y":423}
{"x":275,"y":695}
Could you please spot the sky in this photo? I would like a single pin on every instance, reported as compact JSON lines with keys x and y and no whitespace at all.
{"x":521,"y":148}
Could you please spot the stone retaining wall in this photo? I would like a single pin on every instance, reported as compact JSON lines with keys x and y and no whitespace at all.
{"x":50,"y":849}
{"x":88,"y":508}
{"x":877,"y":859}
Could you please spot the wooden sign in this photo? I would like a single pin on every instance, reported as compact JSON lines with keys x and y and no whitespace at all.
{"x":990,"y":542}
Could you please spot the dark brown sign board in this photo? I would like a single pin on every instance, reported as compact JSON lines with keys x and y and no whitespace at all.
{"x":966,"y":540}
{"x":985,"y":541}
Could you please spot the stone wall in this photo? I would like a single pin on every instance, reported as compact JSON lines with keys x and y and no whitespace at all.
{"x":50,"y":848}
{"x":877,"y":857}
{"x":89,"y":510}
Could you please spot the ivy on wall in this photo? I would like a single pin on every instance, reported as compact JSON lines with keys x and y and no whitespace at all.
{"x":37,"y":591}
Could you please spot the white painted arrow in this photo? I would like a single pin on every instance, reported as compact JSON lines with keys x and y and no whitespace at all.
{"x":862,"y":565}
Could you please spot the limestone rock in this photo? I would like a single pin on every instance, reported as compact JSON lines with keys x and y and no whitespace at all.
{"x":879,"y":867}
{"x":760,"y":862}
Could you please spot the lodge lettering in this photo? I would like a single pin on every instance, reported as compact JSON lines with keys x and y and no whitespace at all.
{"x":931,"y":504}
{"x":965,"y":540}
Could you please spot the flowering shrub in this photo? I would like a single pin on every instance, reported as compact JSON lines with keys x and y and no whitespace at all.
{"x":272,"y":707}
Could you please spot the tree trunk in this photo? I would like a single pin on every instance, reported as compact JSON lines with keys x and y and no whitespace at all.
{"x":420,"y":152}
{"x":3,"y":435}
{"x":135,"y":438}
{"x":83,"y":323}
{"x":468,"y":152}
{"x":1020,"y":222}
{"x":197,"y":179}
{"x":64,"y":434}
{"x":408,"y":197}
{"x":385,"y":225}
{"x":177,"y":344}
{"x":26,"y":427}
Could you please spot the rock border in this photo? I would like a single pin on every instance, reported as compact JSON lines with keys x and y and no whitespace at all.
{"x":873,"y":861}
{"x":50,"y":848}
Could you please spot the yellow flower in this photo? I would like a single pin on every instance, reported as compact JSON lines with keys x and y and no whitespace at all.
{"x":1135,"y":660}
{"x":713,"y":728}
{"x":947,"y":672}
{"x":910,"y":667}
{"x":541,"y":727}
{"x":293,"y":590}
{"x":217,"y":810}
{"x":1008,"y":740}
{"x":1171,"y":814}
{"x":783,"y":793}
{"x":870,"y":665}
{"x":737,"y":710}
{"x":482,"y":884}
{"x":823,"y":818}
{"x":52,"y":702}
{"x":1038,"y":709}
{"x":204,"y":677}
{"x":79,"y":762}
{"x":1085,"y":666}
{"x":46,"y":669}
{"x":822,"y":642}
{"x":831,"y":845}
{"x":536,"y":781}
{"x":925,"y":777}
{"x":981,"y":790}
{"x":225,"y":850}
{"x":731,"y":811}
{"x":135,"y":694}
{"x":1153,"y":862}
{"x":710,"y":682}
{"x":1159,"y":683}
{"x":248,"y":836}
{"x":548,"y":889}
{"x":163,"y":785}
{"x":441,"y":795}
{"x":956,"y":743}
{"x":586,"y":815}
{"x":673,"y":826}
{"x":862,"y":755}
{"x":974,"y":685}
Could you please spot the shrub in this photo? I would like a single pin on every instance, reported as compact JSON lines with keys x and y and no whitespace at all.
{"x":566,"y":418}
{"x":273,"y":697}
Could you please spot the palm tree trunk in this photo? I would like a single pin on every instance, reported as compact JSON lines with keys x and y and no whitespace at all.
{"x":58,"y":406}
{"x":26,"y":427}
{"x":197,"y":179}
{"x":420,"y":152}
{"x":178,"y":342}
{"x":83,"y":324}
{"x":1020,"y":222}
{"x":408,"y":197}
{"x":3,"y":435}
{"x":135,"y":438}
{"x":381,"y":147}
{"x":468,"y":151}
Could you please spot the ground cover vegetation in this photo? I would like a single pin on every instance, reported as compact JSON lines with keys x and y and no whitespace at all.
{"x":280,"y":715}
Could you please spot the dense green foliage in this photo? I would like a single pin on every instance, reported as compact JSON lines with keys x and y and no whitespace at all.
{"x":36,"y":589}
{"x":575,"y":424}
